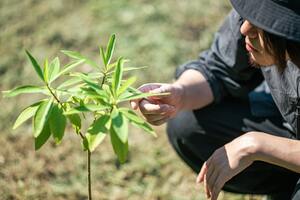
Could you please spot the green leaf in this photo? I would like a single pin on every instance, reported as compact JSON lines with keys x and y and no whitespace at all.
{"x":110,"y":48}
{"x":54,"y":69}
{"x":35,"y":65}
{"x":26,"y":114}
{"x":90,"y":92}
{"x":73,"y":91}
{"x":120,"y":148}
{"x":42,"y":138}
{"x":26,"y":89}
{"x":107,"y":90}
{"x":117,"y":76}
{"x":131,"y":115}
{"x":86,"y":108}
{"x":67,"y":68}
{"x":90,"y":83}
{"x":120,"y":125}
{"x":124,"y":86}
{"x":103,"y":56}
{"x":145,"y":126}
{"x":131,"y":96}
{"x":137,"y":121}
{"x":85,"y":144}
{"x":57,"y":123}
{"x":46,"y":71}
{"x":78,"y":56}
{"x":125,"y":69}
{"x":95,"y":75}
{"x":111,"y":66}
{"x":97,"y":132}
{"x":41,"y":116}
{"x":75,"y":120}
{"x":70,"y":82}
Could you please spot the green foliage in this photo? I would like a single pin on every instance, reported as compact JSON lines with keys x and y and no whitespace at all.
{"x":42,"y":138}
{"x":36,"y":66}
{"x":98,"y":94}
{"x":57,"y":123}
{"x":26,"y":114}
{"x":53,"y":69}
{"x":25,"y":89}
{"x":41,"y":116}
{"x":119,"y":125}
{"x":106,"y":57}
{"x":120,"y":148}
{"x":96,"y":132}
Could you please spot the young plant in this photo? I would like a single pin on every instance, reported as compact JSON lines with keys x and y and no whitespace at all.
{"x":98,"y":94}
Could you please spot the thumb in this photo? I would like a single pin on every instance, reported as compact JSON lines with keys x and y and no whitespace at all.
{"x":162,"y":89}
{"x":144,"y":88}
{"x":134,"y":104}
{"x":201,"y":174}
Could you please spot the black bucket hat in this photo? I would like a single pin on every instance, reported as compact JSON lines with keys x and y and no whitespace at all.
{"x":280,"y":17}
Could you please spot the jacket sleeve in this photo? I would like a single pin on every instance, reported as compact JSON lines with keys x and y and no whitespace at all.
{"x":226,"y":64}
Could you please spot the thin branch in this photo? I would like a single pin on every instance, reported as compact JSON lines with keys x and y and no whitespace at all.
{"x":55,"y":97}
{"x":81,"y":135}
{"x":103,"y":80}
{"x":89,"y":174}
{"x":88,"y":151}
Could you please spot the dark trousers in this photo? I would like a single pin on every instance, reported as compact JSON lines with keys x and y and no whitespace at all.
{"x":195,"y":135}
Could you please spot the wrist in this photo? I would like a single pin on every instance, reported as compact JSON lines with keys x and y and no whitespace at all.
{"x":180,"y":93}
{"x":251,"y":145}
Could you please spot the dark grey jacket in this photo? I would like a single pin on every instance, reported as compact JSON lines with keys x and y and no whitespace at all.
{"x":226,"y":67}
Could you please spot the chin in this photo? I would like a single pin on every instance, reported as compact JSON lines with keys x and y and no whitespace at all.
{"x":258,"y":62}
{"x":253,"y":62}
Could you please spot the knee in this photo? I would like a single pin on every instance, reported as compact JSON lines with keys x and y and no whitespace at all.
{"x":182,"y":126}
{"x":181,"y":133}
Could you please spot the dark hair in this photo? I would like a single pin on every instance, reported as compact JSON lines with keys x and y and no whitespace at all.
{"x":278,"y":46}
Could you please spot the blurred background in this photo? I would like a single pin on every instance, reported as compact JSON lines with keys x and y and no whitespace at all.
{"x":159,"y":34}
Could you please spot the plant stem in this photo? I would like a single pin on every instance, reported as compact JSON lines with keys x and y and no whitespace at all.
{"x":103,"y":80}
{"x":89,"y":174}
{"x":55,"y":97}
{"x":89,"y":154}
{"x":88,"y":151}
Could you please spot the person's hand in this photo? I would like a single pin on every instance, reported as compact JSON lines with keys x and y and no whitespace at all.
{"x":158,"y":109}
{"x":225,"y":163}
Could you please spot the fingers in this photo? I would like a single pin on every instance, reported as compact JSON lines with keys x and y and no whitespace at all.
{"x":212,"y":173}
{"x":201,"y":174}
{"x":202,"y":178}
{"x":156,"y":114}
{"x":144,"y":88}
{"x":167,"y":88}
{"x":160,"y":122}
{"x":154,"y":118}
{"x":212,"y":177}
{"x":215,"y":194}
{"x":134,"y":103}
{"x":148,"y":107}
{"x":206,"y":188}
{"x":158,"y":119}
{"x":212,"y":180}
{"x":219,"y":183}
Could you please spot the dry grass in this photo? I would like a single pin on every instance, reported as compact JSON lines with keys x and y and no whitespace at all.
{"x":153,"y":171}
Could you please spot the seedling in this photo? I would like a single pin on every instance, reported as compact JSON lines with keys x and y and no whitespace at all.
{"x":77,"y":96}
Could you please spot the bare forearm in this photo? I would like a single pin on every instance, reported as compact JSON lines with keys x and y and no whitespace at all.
{"x":280,"y":151}
{"x":197,"y":92}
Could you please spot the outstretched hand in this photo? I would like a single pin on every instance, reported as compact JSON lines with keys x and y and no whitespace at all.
{"x":158,"y":109}
{"x":225,"y":163}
